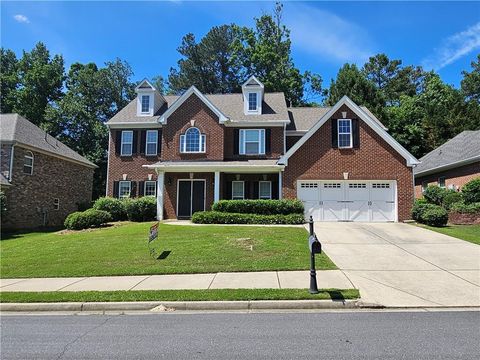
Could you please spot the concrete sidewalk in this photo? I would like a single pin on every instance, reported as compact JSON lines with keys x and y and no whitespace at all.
{"x":327,"y":279}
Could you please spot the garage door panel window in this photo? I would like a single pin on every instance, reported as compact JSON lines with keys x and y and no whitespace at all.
{"x":357,"y":186}
{"x":345,"y":133}
{"x":332,"y":186}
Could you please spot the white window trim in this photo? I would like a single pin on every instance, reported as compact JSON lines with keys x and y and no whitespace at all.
{"x":28,"y":155}
{"x":338,"y":134}
{"x":141,"y":104}
{"x":156,"y":143}
{"x":444,"y":182}
{"x":120,"y":187}
{"x":243,"y":140}
{"x":125,"y":143}
{"x":202,"y":143}
{"x":256,"y":101}
{"x":269,"y":193}
{"x":145,"y":187}
{"x":243,"y":190}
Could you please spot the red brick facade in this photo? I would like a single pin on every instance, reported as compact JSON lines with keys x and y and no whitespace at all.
{"x":456,"y":177}
{"x":374,"y":159}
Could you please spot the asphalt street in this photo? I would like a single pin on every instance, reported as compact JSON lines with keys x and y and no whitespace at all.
{"x":332,"y":335}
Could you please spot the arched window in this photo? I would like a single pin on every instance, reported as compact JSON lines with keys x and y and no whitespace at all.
{"x":28,"y":163}
{"x":192,"y":141}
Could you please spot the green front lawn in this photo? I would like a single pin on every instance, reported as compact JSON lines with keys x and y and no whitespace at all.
{"x":469,"y":233}
{"x":178,"y":295}
{"x":123,"y":250}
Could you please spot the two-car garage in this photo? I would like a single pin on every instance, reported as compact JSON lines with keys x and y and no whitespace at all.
{"x":349,"y":200}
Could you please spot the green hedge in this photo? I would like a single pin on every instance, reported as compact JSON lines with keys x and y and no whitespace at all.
{"x":466,"y":208}
{"x":264,"y":207}
{"x":452,"y":197}
{"x":114,"y":206}
{"x":435,"y":194}
{"x":419,"y":208}
{"x":141,"y":209}
{"x":217,"y":217}
{"x":87,"y":219}
{"x":435,"y":216}
{"x":471,"y":191}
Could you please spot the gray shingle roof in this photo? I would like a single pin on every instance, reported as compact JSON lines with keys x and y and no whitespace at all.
{"x":16,"y":129}
{"x":273,"y":108}
{"x":462,"y":147}
{"x":303,"y":118}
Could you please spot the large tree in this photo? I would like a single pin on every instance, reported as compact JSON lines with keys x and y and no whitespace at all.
{"x":9,"y":80}
{"x":470,"y":84}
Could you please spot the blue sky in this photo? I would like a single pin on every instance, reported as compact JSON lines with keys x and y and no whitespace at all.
{"x":444,"y":36}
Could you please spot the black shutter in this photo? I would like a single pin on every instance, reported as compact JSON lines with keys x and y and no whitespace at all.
{"x":115,"y":189}
{"x":143,"y":141}
{"x":135,"y":142}
{"x":246,"y":190}
{"x":236,"y":137}
{"x":256,"y":193}
{"x":159,"y":142}
{"x":356,"y":133}
{"x":133,"y":189}
{"x":334,"y":134}
{"x":268,"y":141}
{"x":228,"y":190}
{"x":141,"y":188}
{"x":274,"y":189}
{"x":118,"y":141}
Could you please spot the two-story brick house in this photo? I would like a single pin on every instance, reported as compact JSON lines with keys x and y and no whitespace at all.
{"x":192,"y":150}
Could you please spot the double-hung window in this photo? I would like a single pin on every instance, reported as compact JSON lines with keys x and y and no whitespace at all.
{"x":124,"y":189}
{"x":192,"y":141}
{"x":252,"y":101}
{"x":127,"y":143}
{"x":345,"y":133}
{"x":265,"y":190}
{"x":152,"y":142}
{"x":150,"y":188}
{"x":145,"y":103}
{"x":252,"y":142}
{"x":28,"y":163}
{"x":424,"y":186}
{"x":238,"y":190}
{"x":441,"y":182}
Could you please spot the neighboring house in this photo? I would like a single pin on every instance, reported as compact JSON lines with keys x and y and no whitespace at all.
{"x":192,"y":150}
{"x":43,"y":179}
{"x":451,"y":165}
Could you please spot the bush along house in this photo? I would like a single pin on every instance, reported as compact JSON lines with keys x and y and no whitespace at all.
{"x":192,"y":150}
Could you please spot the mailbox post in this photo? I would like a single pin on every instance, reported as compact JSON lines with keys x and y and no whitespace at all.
{"x":315,"y":248}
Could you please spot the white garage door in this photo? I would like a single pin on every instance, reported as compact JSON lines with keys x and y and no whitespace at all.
{"x":348,"y":200}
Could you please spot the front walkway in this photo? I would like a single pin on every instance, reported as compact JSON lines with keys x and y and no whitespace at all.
{"x":327,"y":279}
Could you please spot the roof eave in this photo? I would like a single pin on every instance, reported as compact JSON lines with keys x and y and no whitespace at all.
{"x":448,"y":166}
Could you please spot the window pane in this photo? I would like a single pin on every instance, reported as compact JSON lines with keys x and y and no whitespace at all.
{"x":27,"y":170}
{"x":251,"y":135}
{"x":344,"y":126}
{"x":127,"y":136}
{"x":252,"y":101}
{"x":145,"y":103}
{"x":265,"y":189}
{"x":237,"y":189}
{"x":150,"y":188}
{"x":28,"y":161}
{"x":251,"y":148}
{"x":124,"y":189}
{"x":152,"y":136}
{"x":151,"y":149}
{"x":127,"y":149}
{"x":344,"y":140}
{"x":192,"y":139}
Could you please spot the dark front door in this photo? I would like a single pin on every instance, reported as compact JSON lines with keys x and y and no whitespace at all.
{"x":191,"y":197}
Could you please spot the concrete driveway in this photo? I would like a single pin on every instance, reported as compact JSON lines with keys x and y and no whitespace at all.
{"x":396,"y":264}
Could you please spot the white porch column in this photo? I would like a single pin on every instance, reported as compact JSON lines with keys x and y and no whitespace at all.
{"x":216,"y":192}
{"x":160,"y":185}
{"x":280,"y":185}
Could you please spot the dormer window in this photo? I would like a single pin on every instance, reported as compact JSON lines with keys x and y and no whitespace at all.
{"x":192,"y":141}
{"x":145,"y":104}
{"x":252,"y":101}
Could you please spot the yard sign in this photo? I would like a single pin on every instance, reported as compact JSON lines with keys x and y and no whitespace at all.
{"x":152,"y":235}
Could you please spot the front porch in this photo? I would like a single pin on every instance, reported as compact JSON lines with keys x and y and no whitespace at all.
{"x":184,"y":188}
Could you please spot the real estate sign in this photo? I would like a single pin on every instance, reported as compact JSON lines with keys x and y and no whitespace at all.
{"x":152,"y":235}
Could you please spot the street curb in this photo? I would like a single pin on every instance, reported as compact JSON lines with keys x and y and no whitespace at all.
{"x":183,"y":305}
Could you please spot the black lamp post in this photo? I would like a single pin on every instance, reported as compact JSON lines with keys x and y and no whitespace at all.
{"x":315,"y":248}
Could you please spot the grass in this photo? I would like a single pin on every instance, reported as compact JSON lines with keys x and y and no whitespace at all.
{"x":469,"y":233}
{"x":123,"y":250}
{"x":178,"y":295}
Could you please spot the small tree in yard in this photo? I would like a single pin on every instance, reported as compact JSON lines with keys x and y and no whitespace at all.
{"x":471,"y":191}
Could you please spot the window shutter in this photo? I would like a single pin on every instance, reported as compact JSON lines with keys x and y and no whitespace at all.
{"x":159,"y":142}
{"x":141,"y":188}
{"x":116,"y":189}
{"x":133,"y":189}
{"x":334,"y":134}
{"x":246,"y":190}
{"x":274,"y":189}
{"x":256,"y":193}
{"x":143,"y":141}
{"x":118,"y":141}
{"x":268,"y":141}
{"x":134,"y":142}
{"x":236,"y":143}
{"x":356,"y":133}
{"x":228,"y":190}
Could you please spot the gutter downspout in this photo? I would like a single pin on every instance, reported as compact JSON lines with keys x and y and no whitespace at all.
{"x":108,"y":161}
{"x":10,"y":170}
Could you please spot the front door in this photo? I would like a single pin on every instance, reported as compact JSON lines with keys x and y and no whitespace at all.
{"x":191,"y":197}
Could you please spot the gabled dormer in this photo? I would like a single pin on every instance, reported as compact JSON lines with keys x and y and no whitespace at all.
{"x":145,"y":98}
{"x":252,"y":91}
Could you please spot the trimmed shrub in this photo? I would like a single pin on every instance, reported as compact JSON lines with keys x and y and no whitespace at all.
{"x":141,"y":209}
{"x":115,"y":207}
{"x":471,"y":191}
{"x":435,"y":216}
{"x":418,"y":208}
{"x":87,"y":219}
{"x":434,"y":194}
{"x":451,"y":198}
{"x":217,"y":217}
{"x":264,"y":207}
{"x":466,"y":208}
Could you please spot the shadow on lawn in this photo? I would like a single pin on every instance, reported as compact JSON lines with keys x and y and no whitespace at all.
{"x":18,"y":234}
{"x":163,"y":255}
{"x":335,"y":295}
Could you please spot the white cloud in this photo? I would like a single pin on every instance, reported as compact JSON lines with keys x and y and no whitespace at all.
{"x":453,"y":48}
{"x":21,"y":18}
{"x":325,"y":34}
